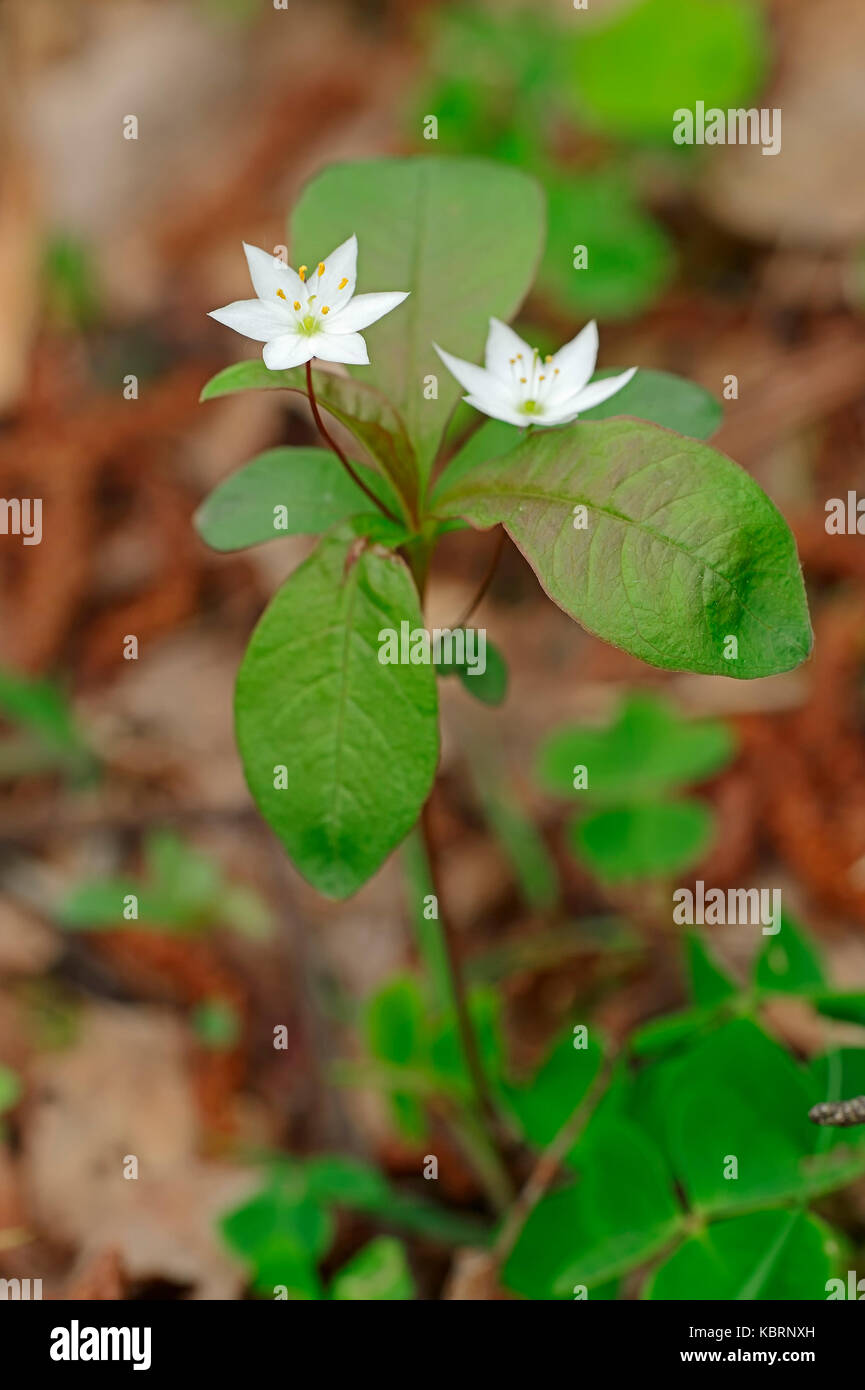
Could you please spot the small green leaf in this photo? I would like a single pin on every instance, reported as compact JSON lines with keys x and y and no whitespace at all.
{"x":216,"y":1024}
{"x":282,"y":1232}
{"x":283,"y":492}
{"x":378,"y":1271}
{"x":662,"y":399}
{"x":339,"y":749}
{"x":365,"y":412}
{"x":543,"y":1104}
{"x":681,"y":551}
{"x":709,"y":984}
{"x":630,"y":843}
{"x":646,"y":751}
{"x":463,"y":235}
{"x":629,"y":257}
{"x":788,"y":963}
{"x":396,"y":1021}
{"x":766,"y":1255}
{"x":634,"y":69}
{"x":10,"y":1089}
{"x":619,"y":1213}
{"x":487,"y":680}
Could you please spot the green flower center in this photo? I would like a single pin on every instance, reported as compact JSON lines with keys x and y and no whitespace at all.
{"x":529,"y":407}
{"x":308,"y":325}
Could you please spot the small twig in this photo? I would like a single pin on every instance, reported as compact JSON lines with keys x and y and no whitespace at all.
{"x":332,"y":444}
{"x":549,"y":1163}
{"x":487,"y":579}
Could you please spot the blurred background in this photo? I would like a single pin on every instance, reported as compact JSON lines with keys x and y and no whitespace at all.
{"x":155,"y":1039}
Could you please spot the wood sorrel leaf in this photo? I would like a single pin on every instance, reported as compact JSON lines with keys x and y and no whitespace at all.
{"x":357,"y":405}
{"x":463,"y":235}
{"x":633,"y":843}
{"x":379,"y":1271}
{"x":653,"y":542}
{"x":286,"y":492}
{"x":768,"y":1254}
{"x":339,"y":750}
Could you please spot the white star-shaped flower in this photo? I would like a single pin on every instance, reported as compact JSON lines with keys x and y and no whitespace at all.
{"x":299,"y":315}
{"x":519,"y":386}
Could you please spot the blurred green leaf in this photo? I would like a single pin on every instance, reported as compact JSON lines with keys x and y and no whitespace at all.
{"x":69,"y":282}
{"x":543,"y":1104}
{"x":709,"y":983}
{"x":490,"y":685}
{"x":620,"y":1212}
{"x":282,"y":1232}
{"x":633,"y":70}
{"x":788,"y":963}
{"x":628,"y":256}
{"x":10,"y":1089}
{"x":378,"y":1271}
{"x":766,"y":1255}
{"x":216,"y":1024}
{"x":664,"y":399}
{"x":631,"y":843}
{"x":647,"y":750}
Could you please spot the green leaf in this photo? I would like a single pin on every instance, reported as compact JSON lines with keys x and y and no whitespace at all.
{"x":658,"y":397}
{"x":630,"y":843}
{"x":283,"y":492}
{"x":647,"y":750}
{"x":365,"y":412}
{"x":378,"y":1271}
{"x":524,"y":846}
{"x":359,"y":739}
{"x":662,"y":399}
{"x":396,"y":1021}
{"x":682,"y":550}
{"x":543,"y":1104}
{"x":350,"y":1183}
{"x":709,"y":984}
{"x":767,"y":1255}
{"x":629,"y":256}
{"x":737,"y":1094}
{"x":788,"y":963}
{"x":634,"y":71}
{"x":10,"y":1089}
{"x":216,"y":1024}
{"x":463,"y":235}
{"x":849,"y":1006}
{"x":282,"y":1232}
{"x":620,"y":1212}
{"x":487,"y":680}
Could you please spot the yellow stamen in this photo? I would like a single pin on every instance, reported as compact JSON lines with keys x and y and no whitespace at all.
{"x":523,"y":380}
{"x":312,"y":297}
{"x":342,"y":284}
{"x":297,"y":304}
{"x":302,"y":271}
{"x":549,"y":357}
{"x":320,"y":269}
{"x":325,"y":308}
{"x":281,"y":294}
{"x":542,"y":377}
{"x":556,"y":372}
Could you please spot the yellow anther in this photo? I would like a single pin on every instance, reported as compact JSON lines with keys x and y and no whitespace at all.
{"x":556,"y":372}
{"x":519,"y":357}
{"x":320,"y":269}
{"x":549,"y":357}
{"x":523,"y":380}
{"x":302,"y":271}
{"x":343,"y":282}
{"x":325,"y":308}
{"x":280,"y":294}
{"x":297,"y":304}
{"x":542,"y":377}
{"x":312,"y":297}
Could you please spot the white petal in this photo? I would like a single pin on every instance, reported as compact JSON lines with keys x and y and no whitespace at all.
{"x":575,"y":362}
{"x":340,"y":265}
{"x":497,"y":412}
{"x":289,"y":350}
{"x":268,"y":275}
{"x":363,"y":310}
{"x":340,"y":347}
{"x":503,"y":344}
{"x":601,"y":390}
{"x":251,"y":318}
{"x":479,"y":382}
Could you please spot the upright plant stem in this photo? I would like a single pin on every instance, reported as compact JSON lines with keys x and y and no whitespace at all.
{"x":332,"y":444}
{"x":450,"y":960}
{"x":487,"y":579}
